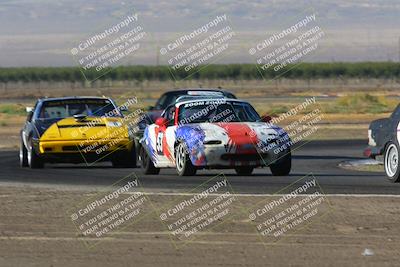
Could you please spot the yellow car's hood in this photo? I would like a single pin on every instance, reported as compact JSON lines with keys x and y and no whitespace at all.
{"x":93,"y":128}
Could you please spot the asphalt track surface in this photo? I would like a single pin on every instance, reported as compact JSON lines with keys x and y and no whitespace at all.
{"x":319,"y":158}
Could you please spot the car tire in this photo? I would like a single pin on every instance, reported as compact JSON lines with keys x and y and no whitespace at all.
{"x":244,"y":170}
{"x":283,"y":166}
{"x":391,"y":162}
{"x":125,"y":159}
{"x":184,"y":166}
{"x":34,"y":161}
{"x":147,"y":164}
{"x":23,"y":155}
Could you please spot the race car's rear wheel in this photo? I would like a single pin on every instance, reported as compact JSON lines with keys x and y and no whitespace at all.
{"x":23,"y":155}
{"x":34,"y":161}
{"x":126,"y":159}
{"x":147,"y":164}
{"x":283,"y":166}
{"x":391,"y":162}
{"x":184,"y":166}
{"x":244,"y":170}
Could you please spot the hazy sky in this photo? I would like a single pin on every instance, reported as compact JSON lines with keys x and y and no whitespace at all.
{"x":43,"y":32}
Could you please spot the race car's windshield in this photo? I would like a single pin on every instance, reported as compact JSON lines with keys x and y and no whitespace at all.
{"x":217,"y":111}
{"x":68,"y":108}
{"x":169,"y":98}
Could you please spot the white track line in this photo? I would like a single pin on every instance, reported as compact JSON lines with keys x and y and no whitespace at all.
{"x":268,"y":195}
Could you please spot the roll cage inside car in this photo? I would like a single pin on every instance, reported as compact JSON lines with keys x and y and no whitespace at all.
{"x":171,"y":97}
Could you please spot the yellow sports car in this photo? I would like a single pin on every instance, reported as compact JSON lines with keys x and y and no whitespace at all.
{"x":76,"y":130}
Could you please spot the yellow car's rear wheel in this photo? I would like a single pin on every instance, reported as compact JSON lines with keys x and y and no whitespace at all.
{"x":124,"y":159}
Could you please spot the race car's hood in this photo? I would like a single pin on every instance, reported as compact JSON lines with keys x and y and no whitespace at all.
{"x":241,"y":132}
{"x":90,"y":128}
{"x":376,"y":124}
{"x":238,"y":135}
{"x":42,"y":125}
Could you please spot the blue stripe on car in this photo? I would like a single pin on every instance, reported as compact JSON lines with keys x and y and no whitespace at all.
{"x":194,"y":137}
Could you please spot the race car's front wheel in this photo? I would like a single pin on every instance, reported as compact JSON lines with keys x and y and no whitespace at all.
{"x":147,"y":164}
{"x":184,"y":166}
{"x":244,"y":170}
{"x":23,"y":155}
{"x":283,"y":166}
{"x":34,"y":161}
{"x":391,"y":162}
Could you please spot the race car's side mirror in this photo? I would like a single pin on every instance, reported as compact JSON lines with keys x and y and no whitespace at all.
{"x":29,"y":116}
{"x":29,"y":112}
{"x":161,"y":122}
{"x":266,"y":118}
{"x":123,"y":108}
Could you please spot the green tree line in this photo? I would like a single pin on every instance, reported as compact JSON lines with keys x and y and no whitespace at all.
{"x":229,"y":71}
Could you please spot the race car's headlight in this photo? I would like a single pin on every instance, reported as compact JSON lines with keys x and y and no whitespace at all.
{"x":211,"y":134}
{"x":272,"y":137}
{"x":114,"y":124}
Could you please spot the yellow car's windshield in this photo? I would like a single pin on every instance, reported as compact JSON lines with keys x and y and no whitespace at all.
{"x":68,"y":108}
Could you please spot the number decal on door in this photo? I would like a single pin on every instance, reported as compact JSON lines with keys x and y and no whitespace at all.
{"x":159,"y":145}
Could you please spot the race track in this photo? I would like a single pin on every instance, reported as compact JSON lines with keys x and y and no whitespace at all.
{"x":320,"y":158}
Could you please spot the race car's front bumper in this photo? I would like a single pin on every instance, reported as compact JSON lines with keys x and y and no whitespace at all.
{"x":83,"y":146}
{"x":218,"y":156}
{"x":82,"y":150}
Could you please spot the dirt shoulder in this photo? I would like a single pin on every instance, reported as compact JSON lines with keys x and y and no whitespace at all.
{"x":37,"y":231}
{"x":10,"y":126}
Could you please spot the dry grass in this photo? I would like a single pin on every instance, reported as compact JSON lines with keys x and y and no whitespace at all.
{"x":345,"y":115}
{"x":366,"y":168}
{"x":242,"y":88}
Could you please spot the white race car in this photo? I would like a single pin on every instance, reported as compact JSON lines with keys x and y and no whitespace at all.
{"x":215,"y":133}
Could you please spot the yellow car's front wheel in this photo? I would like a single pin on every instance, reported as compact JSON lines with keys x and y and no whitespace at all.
{"x":34,"y":161}
{"x":23,"y":155}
